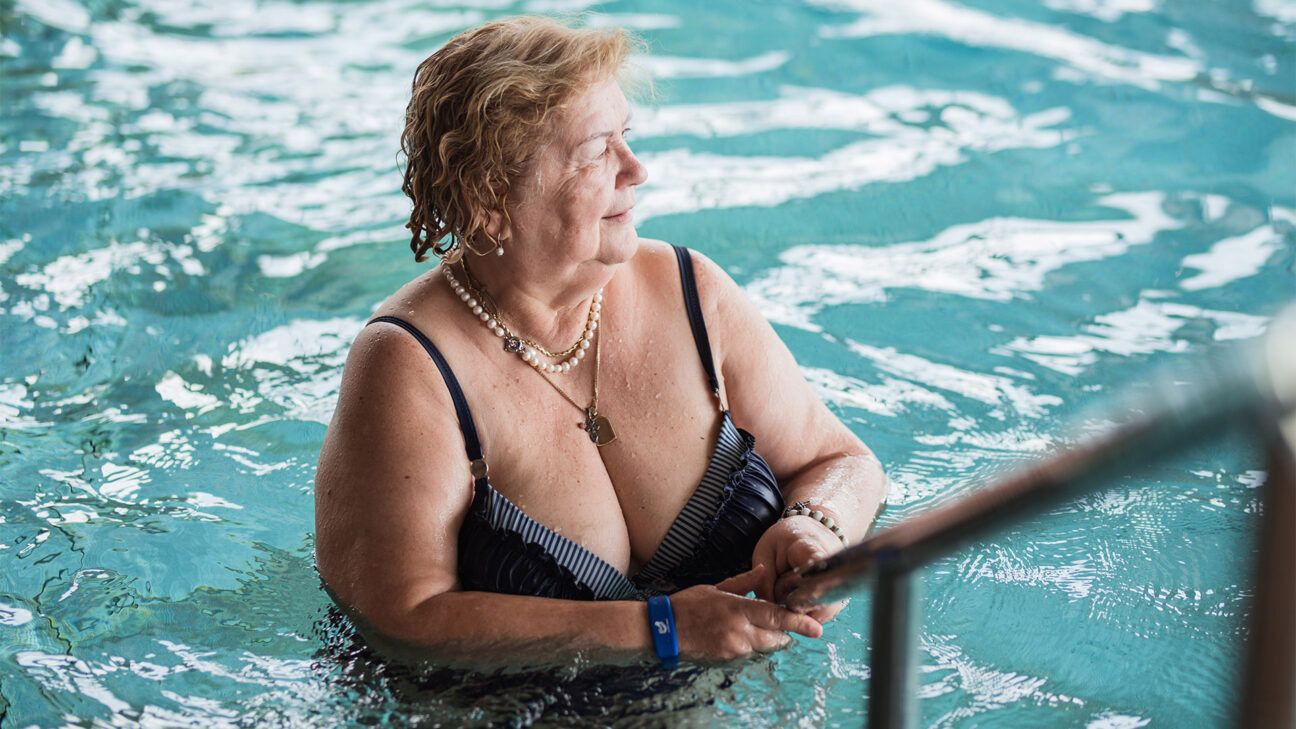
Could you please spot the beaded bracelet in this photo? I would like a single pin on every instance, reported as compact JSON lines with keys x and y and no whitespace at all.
{"x":801,"y":508}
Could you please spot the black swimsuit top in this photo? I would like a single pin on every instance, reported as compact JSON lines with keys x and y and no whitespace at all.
{"x":502,"y":549}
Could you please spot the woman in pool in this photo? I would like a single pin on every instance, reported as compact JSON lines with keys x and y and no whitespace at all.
{"x":537,"y":436}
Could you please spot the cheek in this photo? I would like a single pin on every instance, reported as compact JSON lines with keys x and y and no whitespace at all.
{"x":587,"y":191}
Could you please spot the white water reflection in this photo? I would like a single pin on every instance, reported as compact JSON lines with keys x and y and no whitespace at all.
{"x":634,"y":21}
{"x":75,"y":54}
{"x":68,"y":674}
{"x":683,"y":181}
{"x":982,"y":688}
{"x":13,"y":616}
{"x":69,"y":278}
{"x":886,"y":111}
{"x":1284,"y":11}
{"x":890,"y":397}
{"x":1108,"y":11}
{"x":1148,"y":326}
{"x":1079,"y":54}
{"x":981,"y":29}
{"x":13,"y":401}
{"x":9,"y":247}
{"x":1239,"y":257}
{"x":1116,"y":720}
{"x":1003,"y":394}
{"x":298,"y":366}
{"x":251,"y":79}
{"x":290,"y":265}
{"x":675,"y":67}
{"x":1002,"y":564}
{"x":187,"y":396}
{"x":172,"y":451}
{"x":87,"y":677}
{"x":997,"y":259}
{"x":62,"y":14}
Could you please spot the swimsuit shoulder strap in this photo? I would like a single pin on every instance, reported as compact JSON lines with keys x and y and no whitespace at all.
{"x":466,"y":426}
{"x":694,"y":308}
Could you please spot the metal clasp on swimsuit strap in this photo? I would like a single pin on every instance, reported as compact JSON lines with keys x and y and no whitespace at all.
{"x":478,"y":468}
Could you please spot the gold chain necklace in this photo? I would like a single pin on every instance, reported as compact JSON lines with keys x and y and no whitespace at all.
{"x":476,"y":298}
{"x":476,"y":287}
{"x":595,"y":307}
{"x":482,"y":306}
{"x":596,"y":425}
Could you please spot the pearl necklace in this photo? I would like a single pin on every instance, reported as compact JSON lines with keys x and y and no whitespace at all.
{"x":529,"y":351}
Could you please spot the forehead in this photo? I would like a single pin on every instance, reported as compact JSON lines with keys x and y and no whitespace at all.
{"x":600,"y":108}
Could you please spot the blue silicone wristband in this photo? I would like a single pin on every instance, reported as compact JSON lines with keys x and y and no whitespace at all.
{"x":661,"y":623}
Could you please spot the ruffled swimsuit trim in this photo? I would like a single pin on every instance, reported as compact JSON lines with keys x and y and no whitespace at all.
{"x":734,"y":452}
{"x":580,"y":567}
{"x":733,"y":462}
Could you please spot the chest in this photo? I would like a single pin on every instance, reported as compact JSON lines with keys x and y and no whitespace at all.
{"x":617,"y":500}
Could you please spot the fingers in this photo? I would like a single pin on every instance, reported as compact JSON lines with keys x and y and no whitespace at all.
{"x":768,"y":576}
{"x":825,"y":613}
{"x":720,"y":623}
{"x":786,"y":583}
{"x":745,"y":582}
{"x":806,"y":625}
{"x":802,"y":554}
{"x":768,"y":641}
{"x":772,"y":617}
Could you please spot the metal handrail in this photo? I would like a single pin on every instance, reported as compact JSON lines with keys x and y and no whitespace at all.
{"x":1250,"y":390}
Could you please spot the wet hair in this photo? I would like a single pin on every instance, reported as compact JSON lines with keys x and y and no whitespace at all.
{"x":478,"y":114}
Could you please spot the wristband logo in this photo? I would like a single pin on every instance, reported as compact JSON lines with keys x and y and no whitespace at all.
{"x":661,"y":626}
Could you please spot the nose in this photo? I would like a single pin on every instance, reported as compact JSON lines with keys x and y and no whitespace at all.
{"x":632,"y":170}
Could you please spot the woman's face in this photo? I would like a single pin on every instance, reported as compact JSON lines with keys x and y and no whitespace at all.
{"x":572,"y":207}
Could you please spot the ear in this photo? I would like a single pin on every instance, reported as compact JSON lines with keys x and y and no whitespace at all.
{"x":497,"y":227}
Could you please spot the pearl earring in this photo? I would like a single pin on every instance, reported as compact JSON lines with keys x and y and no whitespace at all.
{"x":499,"y":249}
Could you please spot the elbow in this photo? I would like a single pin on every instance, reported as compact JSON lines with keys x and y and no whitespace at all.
{"x":407,"y":633}
{"x":383,"y":617}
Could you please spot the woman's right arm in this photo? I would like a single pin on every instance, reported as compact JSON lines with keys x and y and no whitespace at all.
{"x":391,"y":492}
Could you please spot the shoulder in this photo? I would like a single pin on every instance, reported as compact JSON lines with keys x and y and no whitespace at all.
{"x":654,"y":261}
{"x":385,"y":359}
{"x":657,"y":262}
{"x":386,"y":356}
{"x":392,"y":397}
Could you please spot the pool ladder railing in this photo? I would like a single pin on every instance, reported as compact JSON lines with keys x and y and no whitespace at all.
{"x":1249,"y":390}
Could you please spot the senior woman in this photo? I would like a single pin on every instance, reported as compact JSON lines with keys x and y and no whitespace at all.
{"x":537,"y":441}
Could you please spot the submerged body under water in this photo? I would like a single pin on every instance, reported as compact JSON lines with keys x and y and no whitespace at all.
{"x":970,"y":221}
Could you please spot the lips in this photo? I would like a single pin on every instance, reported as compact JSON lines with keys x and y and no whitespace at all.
{"x":623,"y":212}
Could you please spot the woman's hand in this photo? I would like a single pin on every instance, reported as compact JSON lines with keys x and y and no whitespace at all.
{"x":786,"y":548}
{"x":718,"y":622}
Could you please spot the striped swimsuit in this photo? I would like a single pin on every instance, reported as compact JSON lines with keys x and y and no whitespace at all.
{"x":503,"y":549}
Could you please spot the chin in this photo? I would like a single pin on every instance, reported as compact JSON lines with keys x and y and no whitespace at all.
{"x":619,"y":246}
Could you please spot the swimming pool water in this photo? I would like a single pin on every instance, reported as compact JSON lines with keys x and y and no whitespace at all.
{"x":969,"y":220}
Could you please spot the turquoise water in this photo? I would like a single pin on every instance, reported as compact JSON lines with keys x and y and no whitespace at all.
{"x":969,"y":221}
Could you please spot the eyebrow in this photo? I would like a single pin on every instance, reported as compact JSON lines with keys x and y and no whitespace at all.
{"x":596,"y":135}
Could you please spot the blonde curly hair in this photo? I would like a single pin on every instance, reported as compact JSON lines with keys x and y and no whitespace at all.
{"x":478,"y":113}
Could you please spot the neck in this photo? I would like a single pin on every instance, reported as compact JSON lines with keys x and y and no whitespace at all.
{"x":549,"y":308}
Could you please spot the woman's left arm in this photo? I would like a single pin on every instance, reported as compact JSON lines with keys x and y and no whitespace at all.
{"x":815,"y":457}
